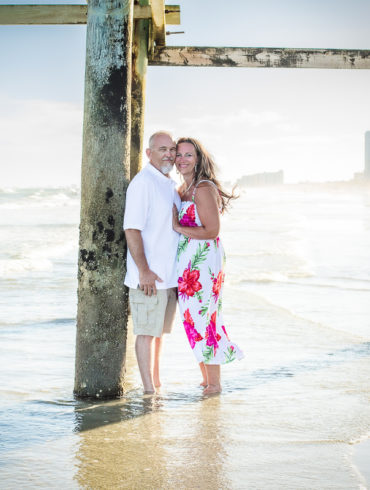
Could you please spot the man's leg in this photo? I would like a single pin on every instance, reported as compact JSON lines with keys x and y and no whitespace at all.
{"x":169,"y":298}
{"x":157,"y":355}
{"x":143,"y":349}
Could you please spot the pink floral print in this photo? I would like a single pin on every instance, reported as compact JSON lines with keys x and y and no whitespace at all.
{"x":188,"y":284}
{"x":200,"y":267}
{"x":192,"y":334}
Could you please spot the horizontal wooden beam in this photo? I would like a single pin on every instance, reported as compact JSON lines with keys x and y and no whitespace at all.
{"x":70,"y":14}
{"x":260,"y":57}
{"x":42,"y":14}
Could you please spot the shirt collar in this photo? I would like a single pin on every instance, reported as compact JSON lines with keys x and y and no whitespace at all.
{"x":158,"y":174}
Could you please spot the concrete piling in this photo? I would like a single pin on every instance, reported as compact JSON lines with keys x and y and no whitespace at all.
{"x":102,"y":297}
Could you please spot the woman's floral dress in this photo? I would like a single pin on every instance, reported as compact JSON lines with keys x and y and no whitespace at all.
{"x":200,"y":268}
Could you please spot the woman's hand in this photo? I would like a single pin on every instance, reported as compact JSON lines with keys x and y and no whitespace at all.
{"x":175,"y":219}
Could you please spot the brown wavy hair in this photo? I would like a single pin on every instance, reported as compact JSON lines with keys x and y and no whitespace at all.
{"x":206,"y":170}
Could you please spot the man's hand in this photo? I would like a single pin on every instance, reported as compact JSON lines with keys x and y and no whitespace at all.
{"x":147,"y":277}
{"x":147,"y":280}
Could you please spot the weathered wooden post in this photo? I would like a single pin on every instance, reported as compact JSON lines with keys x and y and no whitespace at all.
{"x":102,"y":298}
{"x":139,"y":68}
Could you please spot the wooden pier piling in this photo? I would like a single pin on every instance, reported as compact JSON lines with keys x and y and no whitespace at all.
{"x":139,"y":67}
{"x":102,"y":297}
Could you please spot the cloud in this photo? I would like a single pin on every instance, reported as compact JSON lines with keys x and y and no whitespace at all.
{"x":242,"y":117}
{"x":40,"y":142}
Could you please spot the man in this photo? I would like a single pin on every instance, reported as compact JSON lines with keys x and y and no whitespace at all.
{"x":151,"y":256}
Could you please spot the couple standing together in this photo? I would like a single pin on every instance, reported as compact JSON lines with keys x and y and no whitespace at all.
{"x":174,"y":251}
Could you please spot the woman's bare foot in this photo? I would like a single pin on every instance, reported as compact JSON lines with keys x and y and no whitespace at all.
{"x":213,"y":372}
{"x":156,"y":381}
{"x":204,"y":383}
{"x":212,"y":390}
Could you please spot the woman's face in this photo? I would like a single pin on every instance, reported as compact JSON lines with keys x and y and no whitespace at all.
{"x":186,"y":159}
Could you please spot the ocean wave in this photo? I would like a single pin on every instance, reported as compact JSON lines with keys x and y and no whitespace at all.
{"x":14,"y":198}
{"x":268,"y":276}
{"x":329,"y":286}
{"x":39,"y":259}
{"x":10,"y":327}
{"x":52,"y":251}
{"x":360,"y":439}
{"x":348,"y":278}
{"x":19,"y":267}
{"x":287,"y":279}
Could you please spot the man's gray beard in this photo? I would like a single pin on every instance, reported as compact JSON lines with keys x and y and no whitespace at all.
{"x":166,"y":169}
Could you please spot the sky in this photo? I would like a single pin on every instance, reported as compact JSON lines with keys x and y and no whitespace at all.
{"x":308,"y":122}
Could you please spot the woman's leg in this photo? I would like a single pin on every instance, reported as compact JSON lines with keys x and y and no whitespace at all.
{"x":213,"y":379}
{"x":204,"y":375}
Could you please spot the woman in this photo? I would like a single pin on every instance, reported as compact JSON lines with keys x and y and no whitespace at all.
{"x":200,"y":261}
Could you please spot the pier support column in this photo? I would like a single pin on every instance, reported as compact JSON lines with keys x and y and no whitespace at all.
{"x":102,"y":297}
{"x":139,"y":68}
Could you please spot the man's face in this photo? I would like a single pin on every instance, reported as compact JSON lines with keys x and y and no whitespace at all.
{"x":162,"y":153}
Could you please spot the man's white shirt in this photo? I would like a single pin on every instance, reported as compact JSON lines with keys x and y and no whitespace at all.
{"x":149,"y":201}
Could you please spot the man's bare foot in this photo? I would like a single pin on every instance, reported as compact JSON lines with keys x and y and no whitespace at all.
{"x":149,"y":392}
{"x":212,"y":390}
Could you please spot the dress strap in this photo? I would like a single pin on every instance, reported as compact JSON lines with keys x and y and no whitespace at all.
{"x":204,"y":180}
{"x":210,"y":181}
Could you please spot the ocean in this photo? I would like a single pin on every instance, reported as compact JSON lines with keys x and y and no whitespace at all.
{"x":294,"y":414}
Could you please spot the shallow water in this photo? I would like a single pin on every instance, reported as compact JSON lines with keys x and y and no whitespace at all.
{"x":291,"y":413}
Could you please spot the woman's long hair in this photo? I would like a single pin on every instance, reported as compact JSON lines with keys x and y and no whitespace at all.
{"x":206,"y":170}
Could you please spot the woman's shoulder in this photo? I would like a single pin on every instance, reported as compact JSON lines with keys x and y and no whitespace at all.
{"x":206,"y":192}
{"x":206,"y":184}
{"x":206,"y":187}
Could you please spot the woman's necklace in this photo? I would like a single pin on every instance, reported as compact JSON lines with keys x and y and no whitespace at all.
{"x":192,"y":182}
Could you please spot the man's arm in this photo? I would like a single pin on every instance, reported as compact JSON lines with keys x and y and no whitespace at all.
{"x":147,"y":277}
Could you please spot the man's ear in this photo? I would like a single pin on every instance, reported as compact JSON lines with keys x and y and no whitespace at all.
{"x":148,"y":152}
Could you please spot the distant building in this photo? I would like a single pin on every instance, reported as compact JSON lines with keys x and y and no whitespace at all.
{"x":367,"y":155}
{"x":265,"y":178}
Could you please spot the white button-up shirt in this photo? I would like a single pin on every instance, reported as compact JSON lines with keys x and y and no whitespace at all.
{"x":149,"y":200}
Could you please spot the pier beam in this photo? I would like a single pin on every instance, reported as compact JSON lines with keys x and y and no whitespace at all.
{"x":139,"y":69}
{"x":348,"y":59}
{"x":102,"y":297}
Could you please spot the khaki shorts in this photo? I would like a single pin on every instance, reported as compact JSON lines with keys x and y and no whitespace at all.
{"x":153,"y":315}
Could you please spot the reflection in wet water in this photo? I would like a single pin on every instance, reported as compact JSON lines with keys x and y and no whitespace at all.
{"x":197,"y":456}
{"x":142,"y":445}
{"x":93,"y":415}
{"x":119,"y":451}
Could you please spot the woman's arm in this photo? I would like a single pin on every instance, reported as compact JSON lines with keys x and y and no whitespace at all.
{"x":206,"y":199}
